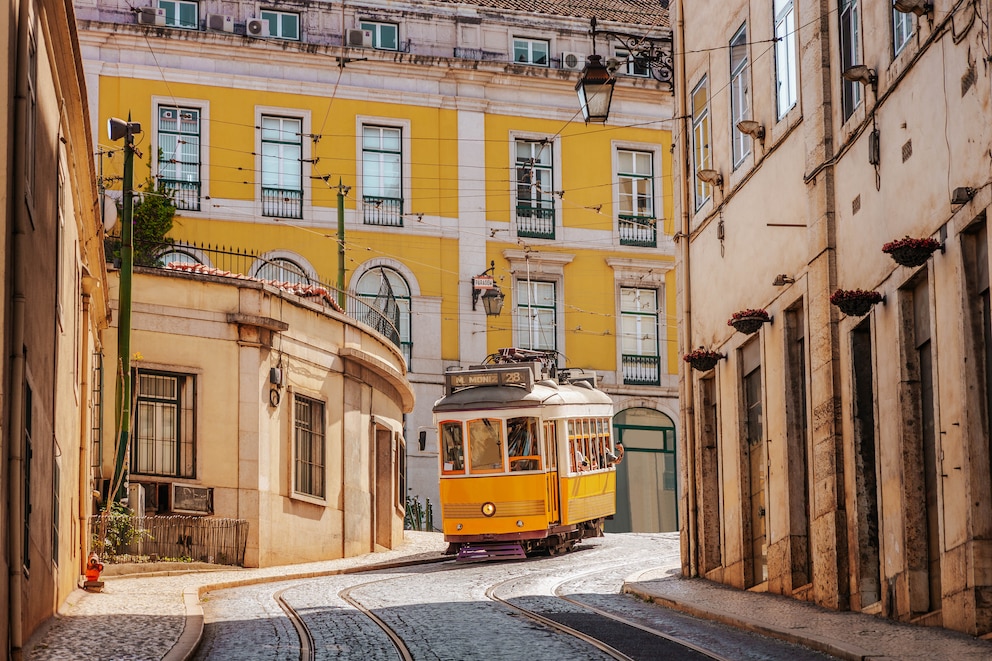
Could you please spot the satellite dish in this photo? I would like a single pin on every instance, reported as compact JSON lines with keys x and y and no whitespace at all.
{"x":109,"y":213}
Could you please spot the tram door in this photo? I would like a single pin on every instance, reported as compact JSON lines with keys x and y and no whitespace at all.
{"x":551,"y":456}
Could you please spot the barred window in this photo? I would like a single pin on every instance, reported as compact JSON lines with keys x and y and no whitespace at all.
{"x":164,"y":437}
{"x":308,"y":448}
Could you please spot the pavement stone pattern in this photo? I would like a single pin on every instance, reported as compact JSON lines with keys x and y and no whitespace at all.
{"x":160,"y":617}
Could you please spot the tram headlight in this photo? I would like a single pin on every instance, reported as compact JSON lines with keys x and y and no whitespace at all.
{"x":488,"y":509}
{"x":520,"y":523}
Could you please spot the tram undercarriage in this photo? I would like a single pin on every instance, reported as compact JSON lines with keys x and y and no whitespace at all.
{"x":558,"y":541}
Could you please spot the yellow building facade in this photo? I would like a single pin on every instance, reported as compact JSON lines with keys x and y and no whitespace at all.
{"x":405,"y":149}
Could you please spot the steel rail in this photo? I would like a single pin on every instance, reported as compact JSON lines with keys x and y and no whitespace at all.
{"x":307,"y":652}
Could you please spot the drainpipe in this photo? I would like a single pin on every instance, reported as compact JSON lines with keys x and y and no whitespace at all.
{"x":686,"y":395}
{"x":89,"y":283}
{"x":15,"y":389}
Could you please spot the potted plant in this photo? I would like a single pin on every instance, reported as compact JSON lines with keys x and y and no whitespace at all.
{"x":911,"y":252}
{"x":702,"y":359}
{"x":855,"y":302}
{"x":748,"y":321}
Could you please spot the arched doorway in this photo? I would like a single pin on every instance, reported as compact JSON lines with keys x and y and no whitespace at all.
{"x":647,"y":492}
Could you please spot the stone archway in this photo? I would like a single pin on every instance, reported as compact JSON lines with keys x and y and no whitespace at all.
{"x":647,"y":490}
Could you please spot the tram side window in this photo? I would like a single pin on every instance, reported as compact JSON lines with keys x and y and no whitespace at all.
{"x":454,"y":447}
{"x":551,"y":444}
{"x":485,"y":443}
{"x":522,"y":444}
{"x":576,"y":453}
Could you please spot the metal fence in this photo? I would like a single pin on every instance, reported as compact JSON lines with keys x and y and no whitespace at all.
{"x":120,"y":537}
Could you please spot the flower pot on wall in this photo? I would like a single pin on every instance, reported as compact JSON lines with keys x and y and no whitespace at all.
{"x":748,"y":321}
{"x":855,"y":302}
{"x":702,"y":359}
{"x":911,"y":252}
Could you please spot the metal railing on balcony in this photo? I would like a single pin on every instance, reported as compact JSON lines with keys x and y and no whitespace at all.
{"x":119,"y":537}
{"x":535,"y":222}
{"x":185,"y":194}
{"x":377,"y":210}
{"x":638,"y":231}
{"x":641,"y":370}
{"x":381,"y":313}
{"x":282,"y":202}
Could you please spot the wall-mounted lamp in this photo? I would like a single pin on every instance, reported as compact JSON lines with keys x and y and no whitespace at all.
{"x":595,"y":90}
{"x":962,"y":195}
{"x":782,"y":280}
{"x":484,"y":286}
{"x":712,"y":177}
{"x":751,"y":128}
{"x":918,"y":7}
{"x":860,"y":73}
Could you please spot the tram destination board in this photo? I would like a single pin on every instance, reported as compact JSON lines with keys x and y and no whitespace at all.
{"x":512,"y":376}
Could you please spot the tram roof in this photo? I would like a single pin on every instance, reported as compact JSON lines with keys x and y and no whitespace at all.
{"x":543,"y":393}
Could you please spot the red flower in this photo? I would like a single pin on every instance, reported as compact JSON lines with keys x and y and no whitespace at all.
{"x":751,"y":313}
{"x":701,"y":353}
{"x":926,"y":244}
{"x":855,"y":295}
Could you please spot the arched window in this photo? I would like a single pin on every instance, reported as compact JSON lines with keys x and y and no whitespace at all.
{"x":178,"y":256}
{"x":375,"y":287}
{"x":283,"y":270}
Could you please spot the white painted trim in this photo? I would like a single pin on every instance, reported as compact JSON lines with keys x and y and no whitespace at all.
{"x":306,"y":155}
{"x":205,"y":174}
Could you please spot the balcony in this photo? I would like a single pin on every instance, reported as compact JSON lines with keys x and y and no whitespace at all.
{"x":639,"y":231}
{"x":378,"y":210}
{"x":282,"y":202}
{"x":641,"y":370}
{"x":185,"y":194}
{"x":535,"y":222}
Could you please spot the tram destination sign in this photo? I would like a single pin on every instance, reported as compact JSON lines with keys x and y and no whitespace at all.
{"x":512,"y":376}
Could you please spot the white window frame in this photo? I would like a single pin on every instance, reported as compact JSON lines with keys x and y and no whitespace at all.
{"x":652,"y":177}
{"x":387,"y":122}
{"x":377,"y":28}
{"x":307,"y":156}
{"x":204,"y":108}
{"x":740,"y":95}
{"x":629,"y":273}
{"x":263,"y":263}
{"x":296,"y":492}
{"x":850,"y":54}
{"x":786,"y":73}
{"x":177,"y":6}
{"x":555,"y":147}
{"x":902,"y":30}
{"x":633,"y":66}
{"x":404,"y":302}
{"x":275,"y":19}
{"x":539,"y":266}
{"x":644,"y":339}
{"x":527,"y":44}
{"x":702,"y":135}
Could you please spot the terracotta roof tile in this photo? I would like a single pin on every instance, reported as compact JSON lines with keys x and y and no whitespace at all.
{"x":625,"y":11}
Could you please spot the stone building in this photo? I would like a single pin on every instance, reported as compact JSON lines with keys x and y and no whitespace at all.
{"x":837,"y":455}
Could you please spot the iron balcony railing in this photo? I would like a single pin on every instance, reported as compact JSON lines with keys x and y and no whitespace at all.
{"x":638,"y":231}
{"x":185,"y":194}
{"x":381,"y":313}
{"x":282,"y":202}
{"x":641,"y":370}
{"x":378,"y":210}
{"x":535,"y":222}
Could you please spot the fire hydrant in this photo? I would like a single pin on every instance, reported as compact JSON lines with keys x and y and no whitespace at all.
{"x":93,"y":569}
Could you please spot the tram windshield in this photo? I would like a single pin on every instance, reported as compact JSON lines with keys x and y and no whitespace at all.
{"x":485,"y":442}
{"x":522,"y":444}
{"x":452,"y":447}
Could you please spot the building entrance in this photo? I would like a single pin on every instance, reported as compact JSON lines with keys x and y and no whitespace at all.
{"x":647,"y":494}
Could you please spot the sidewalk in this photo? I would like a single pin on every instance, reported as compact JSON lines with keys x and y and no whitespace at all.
{"x":137,"y":618}
{"x":846,"y":635}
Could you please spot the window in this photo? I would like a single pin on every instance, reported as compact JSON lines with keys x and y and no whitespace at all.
{"x":282,"y":270}
{"x":523,"y":444}
{"x":385,"y":291}
{"x":530,"y":51}
{"x":282,"y":25}
{"x":385,"y":36}
{"x":740,"y":95}
{"x":164,"y":435}
{"x":282,"y":167}
{"x":902,"y":30}
{"x":382,"y":175}
{"x":536,"y":314}
{"x":850,"y":54}
{"x":181,"y":13}
{"x":535,"y":189}
{"x":701,"y":140}
{"x":639,"y":336}
{"x":485,"y":445}
{"x":785,"y":55}
{"x":635,"y":175}
{"x":452,"y":448}
{"x":308,"y":446}
{"x":633,"y":65}
{"x":179,"y":155}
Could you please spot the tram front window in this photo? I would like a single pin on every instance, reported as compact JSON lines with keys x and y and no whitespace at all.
{"x":485,"y":446}
{"x":522,"y":445}
{"x":452,"y":447}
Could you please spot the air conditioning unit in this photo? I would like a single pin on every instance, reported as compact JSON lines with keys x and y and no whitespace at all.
{"x":136,"y":499}
{"x":256,"y":27}
{"x":573,"y":61}
{"x":358,"y":39}
{"x":189,"y":499}
{"x":220,"y":23}
{"x":151,"y":16}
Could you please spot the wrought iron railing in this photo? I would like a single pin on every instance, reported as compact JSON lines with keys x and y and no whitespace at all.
{"x":377,"y":210}
{"x":638,"y":231}
{"x":120,"y":537}
{"x":282,"y":202}
{"x":641,"y":370}
{"x":381,"y":313}
{"x":535,"y":222}
{"x":185,"y":194}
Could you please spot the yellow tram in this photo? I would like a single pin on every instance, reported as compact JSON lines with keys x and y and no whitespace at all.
{"x":527,"y":457}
